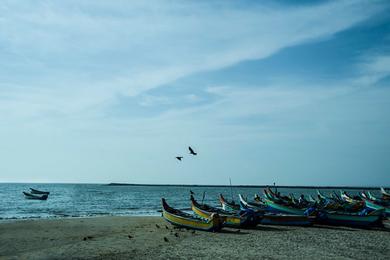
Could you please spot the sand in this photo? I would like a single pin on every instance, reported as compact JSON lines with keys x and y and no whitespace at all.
{"x":153,"y":238}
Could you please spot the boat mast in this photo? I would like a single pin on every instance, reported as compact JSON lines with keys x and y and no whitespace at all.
{"x":231,"y":189}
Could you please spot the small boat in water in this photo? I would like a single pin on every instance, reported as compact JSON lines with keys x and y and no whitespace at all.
{"x":181,"y":219}
{"x":34,"y":196}
{"x":34,"y":191}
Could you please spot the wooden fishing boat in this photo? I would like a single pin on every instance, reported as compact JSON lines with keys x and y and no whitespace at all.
{"x":256,"y":206}
{"x":228,"y":205}
{"x":181,"y":219}
{"x":266,"y":217}
{"x":375,"y":206}
{"x":311,"y":199}
{"x":371,"y":219}
{"x":348,"y":198}
{"x":35,"y":197}
{"x":276,"y":207}
{"x":336,"y":198}
{"x":34,"y":191}
{"x":385,"y":195}
{"x":321,"y":196}
{"x":237,"y":219}
{"x":337,"y":203}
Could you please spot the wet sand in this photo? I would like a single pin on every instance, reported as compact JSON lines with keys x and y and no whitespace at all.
{"x":154,"y":238}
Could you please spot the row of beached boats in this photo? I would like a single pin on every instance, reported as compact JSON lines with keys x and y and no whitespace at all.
{"x":273,"y":208}
{"x":34,"y":194}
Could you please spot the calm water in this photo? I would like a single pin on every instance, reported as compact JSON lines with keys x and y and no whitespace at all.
{"x":80,"y":200}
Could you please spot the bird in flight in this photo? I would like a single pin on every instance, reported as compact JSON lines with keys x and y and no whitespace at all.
{"x":179,"y":157}
{"x":191,"y":151}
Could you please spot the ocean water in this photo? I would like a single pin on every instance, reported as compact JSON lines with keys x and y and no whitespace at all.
{"x":83,"y":200}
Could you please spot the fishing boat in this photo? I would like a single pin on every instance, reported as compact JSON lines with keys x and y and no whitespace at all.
{"x":35,"y":197}
{"x":362,"y":219}
{"x":369,"y":196}
{"x":237,"y":219}
{"x":339,"y":203}
{"x":269,"y":218}
{"x":228,"y":205}
{"x":181,"y":219}
{"x":377,"y":205}
{"x":276,"y":196}
{"x":34,"y":191}
{"x":348,"y":198}
{"x":256,"y":206}
{"x":385,"y":195}
{"x":311,"y":199}
{"x":321,"y":196}
{"x":286,"y":209}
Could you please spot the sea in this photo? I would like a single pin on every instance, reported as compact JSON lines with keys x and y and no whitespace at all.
{"x":89,"y":200}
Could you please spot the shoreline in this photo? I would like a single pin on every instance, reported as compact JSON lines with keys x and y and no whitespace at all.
{"x":11,"y":220}
{"x":124,"y":237}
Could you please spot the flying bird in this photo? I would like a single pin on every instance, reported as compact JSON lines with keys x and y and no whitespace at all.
{"x":191,"y":151}
{"x":179,"y":157}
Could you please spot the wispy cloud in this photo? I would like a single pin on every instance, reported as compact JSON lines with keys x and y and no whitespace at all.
{"x":71,"y":57}
{"x":373,"y":69}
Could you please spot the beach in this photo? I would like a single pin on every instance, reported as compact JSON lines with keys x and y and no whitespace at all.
{"x":154,"y":238}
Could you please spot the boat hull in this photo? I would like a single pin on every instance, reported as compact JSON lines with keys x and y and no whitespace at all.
{"x":350,"y":220}
{"x":35,"y":197}
{"x":286,"y":220}
{"x":180,"y":219}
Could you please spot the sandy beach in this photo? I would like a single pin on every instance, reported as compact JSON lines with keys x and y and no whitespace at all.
{"x":153,"y":237}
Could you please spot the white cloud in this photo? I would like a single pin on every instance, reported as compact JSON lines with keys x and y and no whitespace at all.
{"x":373,"y":69}
{"x":71,"y":57}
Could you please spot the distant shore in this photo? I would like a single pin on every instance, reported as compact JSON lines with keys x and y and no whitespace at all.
{"x":250,"y":186}
{"x":154,"y":238}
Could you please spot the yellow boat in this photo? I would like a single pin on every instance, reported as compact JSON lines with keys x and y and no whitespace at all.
{"x":179,"y":218}
{"x":231,"y":219}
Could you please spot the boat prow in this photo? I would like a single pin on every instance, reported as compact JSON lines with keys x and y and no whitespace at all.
{"x":228,"y":205}
{"x":385,"y":194}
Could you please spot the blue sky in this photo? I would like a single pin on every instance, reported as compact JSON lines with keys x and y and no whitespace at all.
{"x":268,"y":91}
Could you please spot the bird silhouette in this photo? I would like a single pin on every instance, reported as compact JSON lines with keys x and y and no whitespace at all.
{"x":179,"y":157}
{"x":191,"y":151}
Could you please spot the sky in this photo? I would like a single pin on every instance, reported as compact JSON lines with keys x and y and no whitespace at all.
{"x":296,"y":93}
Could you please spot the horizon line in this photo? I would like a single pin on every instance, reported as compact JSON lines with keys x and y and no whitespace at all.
{"x":212,"y":185}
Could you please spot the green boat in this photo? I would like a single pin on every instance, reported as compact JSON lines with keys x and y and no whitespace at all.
{"x":284,"y":209}
{"x":375,"y":206}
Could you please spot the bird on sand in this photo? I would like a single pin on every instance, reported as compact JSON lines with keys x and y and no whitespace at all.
{"x":179,"y":157}
{"x":191,"y":151}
